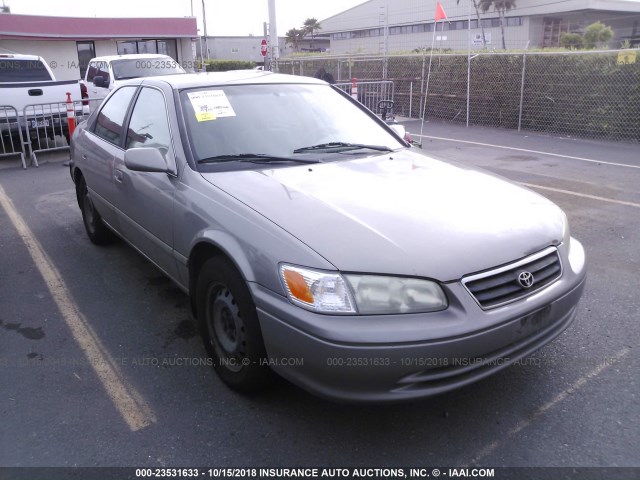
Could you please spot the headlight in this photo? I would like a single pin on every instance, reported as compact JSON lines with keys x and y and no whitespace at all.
{"x":328,"y":292}
{"x":376,"y":295}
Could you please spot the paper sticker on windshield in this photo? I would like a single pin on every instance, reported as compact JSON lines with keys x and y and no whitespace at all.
{"x":210,"y":104}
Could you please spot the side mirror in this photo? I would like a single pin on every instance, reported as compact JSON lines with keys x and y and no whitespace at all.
{"x":145,"y":160}
{"x":100,"y":82}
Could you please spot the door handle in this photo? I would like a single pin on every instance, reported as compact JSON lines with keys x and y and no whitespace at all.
{"x":118,"y":176}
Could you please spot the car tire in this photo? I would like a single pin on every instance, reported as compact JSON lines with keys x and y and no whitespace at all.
{"x":229,"y":326}
{"x":96,"y":230}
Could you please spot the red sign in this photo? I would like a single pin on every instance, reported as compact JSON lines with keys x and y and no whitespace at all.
{"x":263,"y":47}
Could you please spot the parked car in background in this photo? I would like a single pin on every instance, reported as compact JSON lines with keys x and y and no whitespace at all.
{"x":314,"y":243}
{"x":28,"y":80}
{"x":106,"y":73}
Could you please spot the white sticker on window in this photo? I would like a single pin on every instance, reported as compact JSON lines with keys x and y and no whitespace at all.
{"x":210,"y":104}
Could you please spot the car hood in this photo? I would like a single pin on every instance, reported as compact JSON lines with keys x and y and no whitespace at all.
{"x":400,"y":213}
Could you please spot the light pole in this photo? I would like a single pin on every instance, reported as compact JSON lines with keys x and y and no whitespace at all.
{"x":204,"y":23}
{"x":202,"y":68}
{"x":274,"y":54}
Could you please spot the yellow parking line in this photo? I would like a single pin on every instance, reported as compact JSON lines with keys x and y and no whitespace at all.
{"x":129,"y":403}
{"x":583,"y":195}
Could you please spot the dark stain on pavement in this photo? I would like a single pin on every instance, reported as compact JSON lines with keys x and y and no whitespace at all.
{"x":27,"y":332}
{"x":185,"y":330}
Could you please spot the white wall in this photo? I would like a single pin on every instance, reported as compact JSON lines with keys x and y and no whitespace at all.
{"x":185,"y":54}
{"x":62,"y":56}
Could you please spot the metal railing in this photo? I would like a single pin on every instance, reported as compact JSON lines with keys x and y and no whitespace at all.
{"x":11,"y":143}
{"x":38,"y":128}
{"x":44,"y":122}
{"x":371,"y":94}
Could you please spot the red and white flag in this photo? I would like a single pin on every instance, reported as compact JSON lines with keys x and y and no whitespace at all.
{"x":440,"y":15}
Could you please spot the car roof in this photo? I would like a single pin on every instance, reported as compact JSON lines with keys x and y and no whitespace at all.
{"x":234,"y":77}
{"x":131,"y":56}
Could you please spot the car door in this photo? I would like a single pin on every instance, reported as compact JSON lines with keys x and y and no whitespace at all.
{"x":100,"y":147}
{"x":145,"y":200}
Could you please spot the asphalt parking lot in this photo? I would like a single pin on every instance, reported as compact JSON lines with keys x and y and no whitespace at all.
{"x":152,"y":401}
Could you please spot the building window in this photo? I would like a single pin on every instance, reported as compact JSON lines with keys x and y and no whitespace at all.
{"x":514,"y":21}
{"x":86,"y":51}
{"x":428,"y":27}
{"x":235,"y":50}
{"x":164,"y":47}
{"x":372,"y":32}
{"x":127,"y":48}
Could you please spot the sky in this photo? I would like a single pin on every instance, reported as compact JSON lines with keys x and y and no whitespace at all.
{"x":224,"y":17}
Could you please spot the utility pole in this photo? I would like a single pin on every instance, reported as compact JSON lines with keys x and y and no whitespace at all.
{"x":204,"y":22}
{"x":267,"y":59}
{"x":273,"y":36}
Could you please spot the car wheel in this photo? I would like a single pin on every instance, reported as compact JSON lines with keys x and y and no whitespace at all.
{"x":97,"y":231}
{"x":229,"y":327}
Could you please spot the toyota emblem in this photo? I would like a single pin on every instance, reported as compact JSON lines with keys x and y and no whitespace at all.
{"x":525,"y":279}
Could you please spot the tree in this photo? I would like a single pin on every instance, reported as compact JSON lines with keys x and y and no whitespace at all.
{"x":311,"y":27}
{"x":596,"y":33}
{"x":500,"y":6}
{"x":476,"y":6}
{"x":293,"y":37}
{"x":571,"y":40}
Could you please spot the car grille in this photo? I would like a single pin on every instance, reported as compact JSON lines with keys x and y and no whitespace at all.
{"x":501,"y":285}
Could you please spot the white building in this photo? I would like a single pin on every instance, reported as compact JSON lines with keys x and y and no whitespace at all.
{"x":394,"y":26}
{"x":68,"y":43}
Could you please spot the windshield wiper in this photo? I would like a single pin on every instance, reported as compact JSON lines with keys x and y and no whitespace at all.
{"x":350,"y":146}
{"x":254,"y":158}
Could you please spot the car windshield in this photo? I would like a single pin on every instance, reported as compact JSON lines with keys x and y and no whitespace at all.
{"x":280,"y":120}
{"x":145,"y":67}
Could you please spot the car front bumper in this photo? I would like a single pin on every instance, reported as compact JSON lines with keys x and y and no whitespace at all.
{"x":386,"y":358}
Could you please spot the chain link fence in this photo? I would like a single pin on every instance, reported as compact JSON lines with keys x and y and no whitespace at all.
{"x":593,"y":94}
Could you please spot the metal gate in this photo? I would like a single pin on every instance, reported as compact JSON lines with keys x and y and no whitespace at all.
{"x":46,"y":123}
{"x":371,"y":94}
{"x":11,"y":143}
{"x":39,"y":128}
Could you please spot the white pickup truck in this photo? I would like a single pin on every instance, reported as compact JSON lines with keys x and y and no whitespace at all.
{"x":27,"y":80}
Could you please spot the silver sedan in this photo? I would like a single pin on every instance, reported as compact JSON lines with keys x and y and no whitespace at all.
{"x":315,"y":243}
